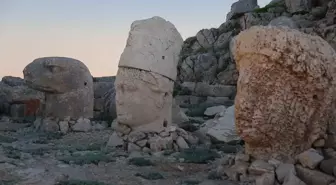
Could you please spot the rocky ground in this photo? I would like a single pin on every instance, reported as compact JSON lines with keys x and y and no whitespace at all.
{"x":28,"y":157}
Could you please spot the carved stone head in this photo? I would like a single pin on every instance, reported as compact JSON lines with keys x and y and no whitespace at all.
{"x":57,"y":75}
{"x":147,"y":69}
{"x":285,"y":90}
{"x":143,"y":99}
{"x":67,"y":84}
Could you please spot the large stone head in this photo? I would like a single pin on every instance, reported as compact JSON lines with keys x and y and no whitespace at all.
{"x":67,"y":83}
{"x":147,"y":69}
{"x":57,"y":75}
{"x":285,"y":90}
{"x":143,"y":98}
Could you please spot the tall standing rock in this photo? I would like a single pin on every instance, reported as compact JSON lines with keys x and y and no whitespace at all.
{"x":67,"y":84}
{"x":147,"y":70}
{"x":285,"y":90}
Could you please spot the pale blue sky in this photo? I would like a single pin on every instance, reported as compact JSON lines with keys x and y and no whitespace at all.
{"x":93,"y":31}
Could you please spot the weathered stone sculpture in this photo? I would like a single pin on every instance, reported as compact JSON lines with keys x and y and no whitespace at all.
{"x":147,"y":69}
{"x":67,"y":84}
{"x":285,"y":90}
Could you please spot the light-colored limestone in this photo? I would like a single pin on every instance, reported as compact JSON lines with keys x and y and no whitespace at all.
{"x":147,"y":68}
{"x":143,"y":99}
{"x":153,"y":45}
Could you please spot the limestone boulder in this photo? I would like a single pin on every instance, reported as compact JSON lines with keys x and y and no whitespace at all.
{"x":285,"y":91}
{"x":311,"y":177}
{"x":223,"y":128}
{"x":252,"y":19}
{"x":207,"y":67}
{"x":240,"y":7}
{"x":206,"y":38}
{"x":212,"y":111}
{"x":201,"y":67}
{"x":284,"y":21}
{"x":67,"y":84}
{"x":294,"y":6}
{"x":223,"y":40}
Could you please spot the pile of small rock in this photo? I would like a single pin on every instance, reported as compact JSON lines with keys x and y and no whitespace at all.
{"x":66,"y":125}
{"x":311,"y":167}
{"x":171,"y":138}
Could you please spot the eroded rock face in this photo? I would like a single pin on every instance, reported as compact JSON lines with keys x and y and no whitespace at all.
{"x":240,"y":7}
{"x":67,"y":84}
{"x":283,"y":21}
{"x":298,"y":5}
{"x":13,"y":81}
{"x":143,"y":99}
{"x":147,"y":69}
{"x":285,"y":90}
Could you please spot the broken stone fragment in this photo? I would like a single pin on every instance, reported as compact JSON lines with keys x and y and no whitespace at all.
{"x":266,"y":179}
{"x":181,"y":143}
{"x":49,"y":125}
{"x":82,"y":125}
{"x":136,"y":136}
{"x":223,"y":128}
{"x":312,"y":177}
{"x":242,"y":157}
{"x":212,"y":111}
{"x":310,"y":158}
{"x":114,"y":141}
{"x":131,"y":147}
{"x":259,"y":167}
{"x":158,"y":143}
{"x":284,"y":171}
{"x":64,"y":126}
{"x":319,"y":143}
{"x":124,"y":129}
{"x":328,"y":166}
{"x":142,"y":143}
{"x":292,"y":179}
